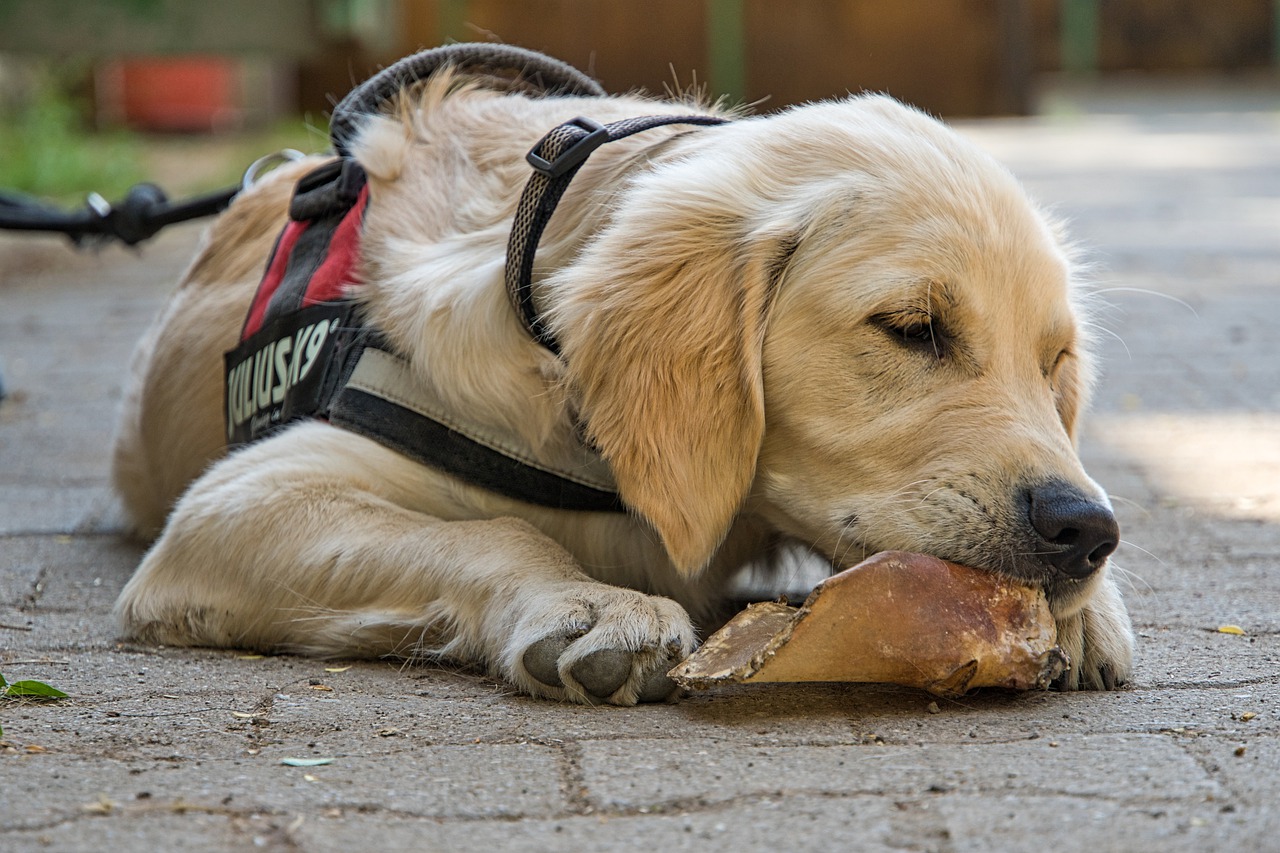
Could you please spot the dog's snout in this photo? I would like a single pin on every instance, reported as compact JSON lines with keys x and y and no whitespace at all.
{"x":1078,"y":532}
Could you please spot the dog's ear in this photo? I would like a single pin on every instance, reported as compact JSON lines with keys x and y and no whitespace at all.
{"x":663,"y":334}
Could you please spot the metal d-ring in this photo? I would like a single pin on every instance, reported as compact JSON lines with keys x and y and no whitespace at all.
{"x":266,"y":163}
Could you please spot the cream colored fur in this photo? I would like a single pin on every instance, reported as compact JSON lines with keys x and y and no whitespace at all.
{"x":715,"y":292}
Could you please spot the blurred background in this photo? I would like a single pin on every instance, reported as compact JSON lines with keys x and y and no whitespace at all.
{"x":98,"y":95}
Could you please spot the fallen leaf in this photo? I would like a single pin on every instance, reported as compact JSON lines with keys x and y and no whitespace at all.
{"x":1244,"y":718}
{"x":243,"y":715}
{"x":249,"y":657}
{"x":336,"y":668}
{"x":34,"y":689}
{"x":102,"y":806}
{"x":306,"y":762}
{"x":324,"y":687}
{"x":309,"y":777}
{"x":1230,"y":629}
{"x":33,"y":748}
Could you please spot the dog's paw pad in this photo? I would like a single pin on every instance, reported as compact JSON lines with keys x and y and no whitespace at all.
{"x":541,"y":659}
{"x":602,"y":672}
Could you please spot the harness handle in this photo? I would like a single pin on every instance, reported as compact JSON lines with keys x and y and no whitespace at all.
{"x":511,"y":68}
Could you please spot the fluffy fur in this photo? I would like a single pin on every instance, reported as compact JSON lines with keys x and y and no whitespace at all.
{"x":726,"y":299}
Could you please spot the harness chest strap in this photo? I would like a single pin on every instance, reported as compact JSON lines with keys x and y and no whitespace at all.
{"x":384,"y":401}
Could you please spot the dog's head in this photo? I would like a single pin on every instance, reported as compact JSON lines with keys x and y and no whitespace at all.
{"x":850,"y":321}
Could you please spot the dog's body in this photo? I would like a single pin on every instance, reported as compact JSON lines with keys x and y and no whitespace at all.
{"x":839,"y":324}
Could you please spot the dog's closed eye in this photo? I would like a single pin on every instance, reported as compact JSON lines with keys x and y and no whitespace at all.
{"x":917,"y":332}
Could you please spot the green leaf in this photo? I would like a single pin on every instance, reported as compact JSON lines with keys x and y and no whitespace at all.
{"x":306,"y":762}
{"x":34,"y":688}
{"x":3,"y":683}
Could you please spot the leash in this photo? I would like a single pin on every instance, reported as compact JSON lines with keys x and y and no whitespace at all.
{"x":139,"y":216}
{"x":143,"y":212}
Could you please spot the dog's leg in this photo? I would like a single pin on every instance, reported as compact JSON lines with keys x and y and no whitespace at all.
{"x":1099,"y":640}
{"x":315,"y":552}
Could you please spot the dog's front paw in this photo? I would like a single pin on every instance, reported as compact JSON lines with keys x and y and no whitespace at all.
{"x":596,"y":643}
{"x":1099,"y":640}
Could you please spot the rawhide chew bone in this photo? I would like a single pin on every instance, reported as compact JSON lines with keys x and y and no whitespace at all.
{"x":896,"y":617}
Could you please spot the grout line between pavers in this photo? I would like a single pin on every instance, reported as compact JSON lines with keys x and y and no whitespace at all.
{"x":573,"y":781}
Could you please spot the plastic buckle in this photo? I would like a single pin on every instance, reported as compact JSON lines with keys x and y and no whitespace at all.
{"x":572,"y":156}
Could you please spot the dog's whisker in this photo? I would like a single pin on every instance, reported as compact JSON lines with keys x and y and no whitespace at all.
{"x":1129,"y":577}
{"x":1115,"y":335}
{"x":1147,"y":292}
{"x":1130,"y":502}
{"x":1153,"y":556}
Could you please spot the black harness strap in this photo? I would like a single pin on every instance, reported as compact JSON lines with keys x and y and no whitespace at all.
{"x":555,"y":160}
{"x":383,"y":401}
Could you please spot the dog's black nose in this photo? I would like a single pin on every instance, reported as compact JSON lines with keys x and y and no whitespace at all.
{"x":1077,"y":532}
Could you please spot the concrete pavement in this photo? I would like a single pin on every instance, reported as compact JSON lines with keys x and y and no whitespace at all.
{"x":1175,"y":199}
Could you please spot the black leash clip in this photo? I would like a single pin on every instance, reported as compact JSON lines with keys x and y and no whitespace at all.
{"x":132,"y":220}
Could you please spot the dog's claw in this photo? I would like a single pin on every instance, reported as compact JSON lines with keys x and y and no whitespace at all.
{"x":1108,"y":677}
{"x":658,"y":688}
{"x":540,"y":659}
{"x":602,"y":672}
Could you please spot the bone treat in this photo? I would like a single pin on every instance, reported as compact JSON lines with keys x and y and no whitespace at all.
{"x":896,"y":617}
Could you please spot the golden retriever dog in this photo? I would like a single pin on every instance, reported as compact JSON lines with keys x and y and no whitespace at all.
{"x":840,"y":324}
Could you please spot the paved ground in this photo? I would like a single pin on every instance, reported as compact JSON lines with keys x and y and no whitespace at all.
{"x":1179,"y":201}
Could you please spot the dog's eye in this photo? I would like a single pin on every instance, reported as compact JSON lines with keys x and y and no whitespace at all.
{"x":918,"y":331}
{"x":915,"y":331}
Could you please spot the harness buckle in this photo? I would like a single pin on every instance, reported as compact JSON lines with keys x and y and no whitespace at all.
{"x":575,"y":154}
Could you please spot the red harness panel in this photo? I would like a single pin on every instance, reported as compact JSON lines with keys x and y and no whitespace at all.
{"x":334,"y":274}
{"x":300,"y":331}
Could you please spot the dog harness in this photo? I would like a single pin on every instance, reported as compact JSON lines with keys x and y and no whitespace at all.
{"x":305,"y":351}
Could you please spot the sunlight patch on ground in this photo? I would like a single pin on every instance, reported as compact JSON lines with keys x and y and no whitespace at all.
{"x":1228,"y":462}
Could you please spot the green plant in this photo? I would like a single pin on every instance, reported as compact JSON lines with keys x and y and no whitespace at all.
{"x":49,"y":152}
{"x":37,"y":690}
